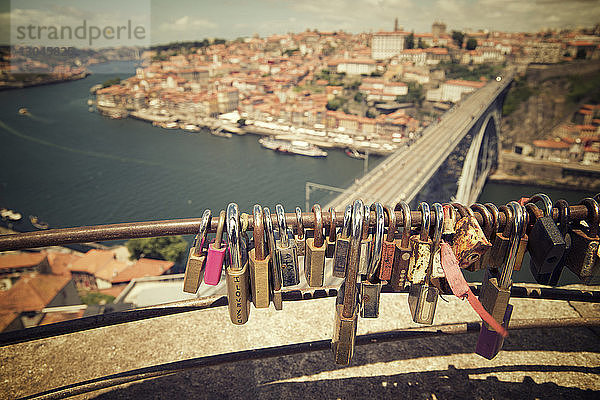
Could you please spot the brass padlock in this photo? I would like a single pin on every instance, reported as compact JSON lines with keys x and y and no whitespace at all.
{"x":331,"y":234}
{"x":259,"y":263}
{"x":469,"y":242}
{"x":495,"y":291}
{"x":584,"y":258}
{"x":314,"y":261}
{"x":238,"y":276}
{"x":286,"y":252}
{"x":437,"y":274}
{"x":300,"y":237}
{"x":342,"y":245}
{"x":403,"y":250}
{"x":346,"y":319}
{"x":194,"y":269}
{"x":276,"y":287}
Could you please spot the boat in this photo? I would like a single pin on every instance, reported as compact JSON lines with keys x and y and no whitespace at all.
{"x":298,"y":147}
{"x":232,"y":128}
{"x":355,"y":154}
{"x":35,"y":221}
{"x":191,"y":128}
{"x":220,"y":132}
{"x":10,"y":215}
{"x":23,"y":111}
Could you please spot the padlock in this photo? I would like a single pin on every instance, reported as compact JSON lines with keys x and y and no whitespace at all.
{"x":449,"y":227}
{"x":437,"y":272}
{"x":344,"y":331}
{"x":496,"y":255}
{"x":259,"y":263}
{"x":583,"y":258}
{"x":342,"y":244}
{"x":494,"y":213}
{"x":488,"y":230}
{"x":331,"y":234}
{"x":490,"y":342}
{"x":495,"y":292}
{"x":216,"y":255}
{"x":422,"y":297}
{"x":388,"y":250}
{"x":276,"y":291}
{"x":422,"y":247}
{"x":546,"y":244}
{"x":365,"y":243}
{"x":238,"y":276}
{"x":564,"y":214}
{"x":469,"y":242}
{"x":346,"y":319}
{"x":300,"y":237}
{"x":314,"y":260}
{"x":194,"y":269}
{"x":403,"y":250}
{"x":522,"y":243}
{"x":370,"y":285}
{"x":286,"y":252}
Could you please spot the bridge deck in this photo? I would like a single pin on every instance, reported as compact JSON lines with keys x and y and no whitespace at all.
{"x":403,"y":174}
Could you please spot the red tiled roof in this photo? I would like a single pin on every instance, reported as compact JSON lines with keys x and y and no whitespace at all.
{"x":111,"y":270}
{"x":21,"y":260}
{"x":32,"y":292}
{"x":143,"y":267}
{"x":459,"y":82}
{"x":93,"y":261}
{"x":550,"y":144}
{"x":59,"y":262}
{"x":6,"y":318}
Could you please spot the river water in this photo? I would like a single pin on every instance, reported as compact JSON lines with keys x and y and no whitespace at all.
{"x":73,"y":167}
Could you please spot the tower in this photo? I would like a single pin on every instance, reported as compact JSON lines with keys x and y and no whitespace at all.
{"x":396,"y":25}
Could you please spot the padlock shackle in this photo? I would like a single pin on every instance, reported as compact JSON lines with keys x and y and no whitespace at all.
{"x":407,"y":219}
{"x":593,"y":217}
{"x":487,"y":219}
{"x":509,"y":218}
{"x":564,"y":213}
{"x":233,"y":236}
{"x":377,"y":247}
{"x":517,"y":231}
{"x":220,"y":227}
{"x":547,"y":210}
{"x":332,"y":223}
{"x":316,"y":209}
{"x":346,"y":231}
{"x":493,"y":209}
{"x":282,"y":226}
{"x":366,"y":224}
{"x":299,"y":223}
{"x":463,"y":211}
{"x":438,"y":210}
{"x":202,"y":232}
{"x":259,"y":232}
{"x":276,"y":268}
{"x":425,"y":221}
{"x":391,"y":233}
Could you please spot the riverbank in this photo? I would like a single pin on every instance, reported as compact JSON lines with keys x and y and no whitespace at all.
{"x":520,"y":170}
{"x":4,"y":85}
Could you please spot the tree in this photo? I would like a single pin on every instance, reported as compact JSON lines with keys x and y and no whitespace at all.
{"x":471,"y":44}
{"x":410,"y":41}
{"x":358,"y":97}
{"x":458,"y":38}
{"x":170,"y":248}
{"x":421,"y":44}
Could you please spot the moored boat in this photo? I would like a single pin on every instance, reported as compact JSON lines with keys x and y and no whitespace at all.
{"x":299,"y":147}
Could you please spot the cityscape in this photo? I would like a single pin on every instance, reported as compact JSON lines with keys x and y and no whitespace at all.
{"x":409,"y":104}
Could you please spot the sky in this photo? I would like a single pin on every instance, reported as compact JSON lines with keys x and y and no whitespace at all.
{"x":179,"y":20}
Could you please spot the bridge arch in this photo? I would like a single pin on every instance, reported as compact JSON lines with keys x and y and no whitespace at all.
{"x":479,"y":160}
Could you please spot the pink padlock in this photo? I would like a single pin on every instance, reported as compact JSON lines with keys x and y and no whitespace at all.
{"x":216,"y":255}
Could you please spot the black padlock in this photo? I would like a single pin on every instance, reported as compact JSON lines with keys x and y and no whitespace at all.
{"x":564,"y":214}
{"x":546,"y":244}
{"x":583,"y":258}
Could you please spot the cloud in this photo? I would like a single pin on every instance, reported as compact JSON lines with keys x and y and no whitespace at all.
{"x":187,"y":24}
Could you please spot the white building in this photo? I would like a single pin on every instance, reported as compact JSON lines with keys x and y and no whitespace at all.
{"x":387,"y":44}
{"x":356,"y":66}
{"x":452,"y":90}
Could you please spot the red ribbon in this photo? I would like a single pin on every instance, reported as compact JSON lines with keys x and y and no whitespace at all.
{"x":460,"y":287}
